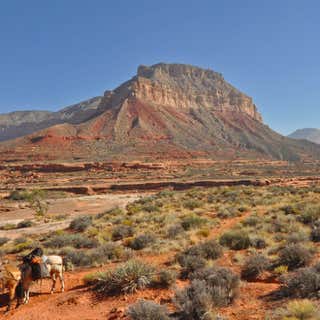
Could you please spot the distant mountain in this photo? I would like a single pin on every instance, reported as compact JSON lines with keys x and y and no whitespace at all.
{"x":21,"y":123}
{"x":310,"y":134}
{"x":165,"y":111}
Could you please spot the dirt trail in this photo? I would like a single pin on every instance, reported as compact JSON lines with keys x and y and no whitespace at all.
{"x":75,"y":206}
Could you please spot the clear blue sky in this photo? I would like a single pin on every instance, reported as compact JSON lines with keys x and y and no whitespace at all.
{"x":55,"y":53}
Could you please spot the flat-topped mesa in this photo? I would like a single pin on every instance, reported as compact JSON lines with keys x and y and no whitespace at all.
{"x":185,"y":86}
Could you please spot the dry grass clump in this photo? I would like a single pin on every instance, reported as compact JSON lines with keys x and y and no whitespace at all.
{"x":147,"y":310}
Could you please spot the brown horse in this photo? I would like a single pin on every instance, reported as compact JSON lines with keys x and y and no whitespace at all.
{"x":10,"y":276}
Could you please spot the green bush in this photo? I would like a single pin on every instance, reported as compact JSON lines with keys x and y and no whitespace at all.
{"x":107,"y":252}
{"x":122,"y":231}
{"x":25,"y":224}
{"x":304,"y":283}
{"x":190,"y":263}
{"x":73,"y":240}
{"x":310,"y":215}
{"x":3,"y":241}
{"x":147,"y":310}
{"x":194,"y":302}
{"x":175,"y":230}
{"x":222,"y":284}
{"x":141,"y":241}
{"x":235,"y":240}
{"x":294,"y":256}
{"x":165,"y":278}
{"x":77,"y":258}
{"x":210,"y":249}
{"x":254,"y":266}
{"x":127,"y":278}
{"x":81,"y":224}
{"x":192,"y":221}
{"x":191,"y":204}
{"x":301,"y":310}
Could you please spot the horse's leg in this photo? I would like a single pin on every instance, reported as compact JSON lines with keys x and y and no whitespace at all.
{"x":61,"y":280}
{"x":54,"y":280}
{"x":12,"y":291}
{"x":17,"y":295}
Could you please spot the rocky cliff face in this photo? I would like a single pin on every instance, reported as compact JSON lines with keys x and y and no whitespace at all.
{"x":165,"y":111}
{"x":183,"y":87}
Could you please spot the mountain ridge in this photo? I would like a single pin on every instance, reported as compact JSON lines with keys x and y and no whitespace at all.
{"x":167,"y":110}
{"x":310,"y":134}
{"x":23,"y":122}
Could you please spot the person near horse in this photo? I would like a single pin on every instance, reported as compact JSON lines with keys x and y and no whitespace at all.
{"x":10,"y":276}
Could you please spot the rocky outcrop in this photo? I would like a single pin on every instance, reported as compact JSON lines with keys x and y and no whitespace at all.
{"x":185,"y":86}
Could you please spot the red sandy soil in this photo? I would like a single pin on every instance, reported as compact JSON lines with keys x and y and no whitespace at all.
{"x":78,"y":302}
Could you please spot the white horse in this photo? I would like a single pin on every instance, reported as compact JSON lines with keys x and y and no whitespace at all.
{"x":55,"y":269}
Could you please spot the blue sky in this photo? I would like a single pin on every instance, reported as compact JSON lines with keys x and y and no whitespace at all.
{"x":55,"y":53}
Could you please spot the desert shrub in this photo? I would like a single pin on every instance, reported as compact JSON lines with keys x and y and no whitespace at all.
{"x":106,"y":252}
{"x":289,"y":209}
{"x":304,"y":283}
{"x":210,"y":249}
{"x":166,"y":193}
{"x":150,"y":207}
{"x":296,"y":237}
{"x":194,"y":302}
{"x":203,"y":232}
{"x":165,"y":278}
{"x":280,"y":270}
{"x":141,"y":241}
{"x":254,"y":266}
{"x":315,"y":234}
{"x":8,"y":226}
{"x":77,"y":258}
{"x":24,"y":224}
{"x":122,"y":231}
{"x":310,"y":215}
{"x":191,"y":204}
{"x":223,"y":284}
{"x":300,"y":310}
{"x":235,"y":240}
{"x":81,"y":224}
{"x":192,"y":221}
{"x":17,"y":195}
{"x":251,"y":221}
{"x":127,"y":278}
{"x":3,"y":240}
{"x":294,"y":256}
{"x":147,"y":310}
{"x":174,"y":230}
{"x":21,"y":244}
{"x":258,"y":243}
{"x":73,"y":240}
{"x":190,"y":263}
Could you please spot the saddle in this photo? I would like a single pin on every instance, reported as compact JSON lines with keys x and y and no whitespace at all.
{"x":39,"y":268}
